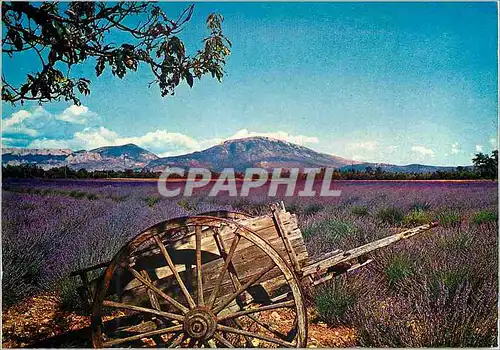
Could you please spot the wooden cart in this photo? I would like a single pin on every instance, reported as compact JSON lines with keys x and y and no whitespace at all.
{"x":220,"y":279}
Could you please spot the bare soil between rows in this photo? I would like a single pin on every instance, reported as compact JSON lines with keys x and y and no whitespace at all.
{"x":39,"y":321}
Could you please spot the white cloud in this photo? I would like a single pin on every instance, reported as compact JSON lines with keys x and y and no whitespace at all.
{"x":455,"y":148}
{"x":75,"y":114}
{"x":16,"y":118}
{"x":6,"y":141}
{"x":76,"y":128}
{"x":422,"y":150}
{"x":366,"y":145}
{"x":479,"y":148}
{"x":93,"y":138}
{"x":158,"y":136}
{"x":161,"y":142}
{"x":20,"y":130}
{"x":14,"y":125}
{"x":48,"y":143}
{"x":85,"y":139}
{"x":25,"y":125}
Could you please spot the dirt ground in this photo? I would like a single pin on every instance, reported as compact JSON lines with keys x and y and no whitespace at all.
{"x":37,"y":319}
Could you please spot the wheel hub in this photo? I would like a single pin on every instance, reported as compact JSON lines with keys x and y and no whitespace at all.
{"x":200,"y":323}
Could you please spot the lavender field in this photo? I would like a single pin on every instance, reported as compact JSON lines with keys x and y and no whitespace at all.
{"x":439,"y":289}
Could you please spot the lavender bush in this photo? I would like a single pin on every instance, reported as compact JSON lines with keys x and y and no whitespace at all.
{"x":440,"y":289}
{"x":48,"y":233}
{"x":437,"y":290}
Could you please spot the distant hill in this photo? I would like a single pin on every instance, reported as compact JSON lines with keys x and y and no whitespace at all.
{"x":46,"y":158}
{"x":252,"y":152}
{"x":256,"y":152}
{"x":263,"y":152}
{"x":123,"y":157}
{"x":129,"y":151}
{"x":127,"y":156}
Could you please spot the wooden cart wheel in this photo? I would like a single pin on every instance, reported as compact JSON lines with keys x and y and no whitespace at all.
{"x":194,"y":282}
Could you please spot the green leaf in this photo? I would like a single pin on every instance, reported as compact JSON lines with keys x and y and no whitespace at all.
{"x":99,"y":67}
{"x":189,"y":79}
{"x":34,"y":90}
{"x":16,"y":38}
{"x":25,"y":88}
{"x":128,"y":47}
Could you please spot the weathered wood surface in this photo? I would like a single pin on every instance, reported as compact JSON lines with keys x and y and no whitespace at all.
{"x":151,"y":260}
{"x":176,"y":255}
{"x":324,"y":265}
{"x":204,"y":234}
{"x":247,"y":260}
{"x":338,"y":262}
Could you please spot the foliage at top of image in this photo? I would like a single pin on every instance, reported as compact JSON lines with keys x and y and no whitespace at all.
{"x":62,"y":36}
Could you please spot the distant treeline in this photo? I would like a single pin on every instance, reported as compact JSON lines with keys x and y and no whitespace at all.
{"x":485,"y":167}
{"x":32,"y":171}
{"x":28,"y":171}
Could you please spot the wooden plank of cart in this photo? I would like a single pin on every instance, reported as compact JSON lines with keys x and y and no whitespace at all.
{"x":219,"y":279}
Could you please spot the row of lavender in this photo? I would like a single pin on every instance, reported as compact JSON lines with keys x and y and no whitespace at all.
{"x":440,"y":289}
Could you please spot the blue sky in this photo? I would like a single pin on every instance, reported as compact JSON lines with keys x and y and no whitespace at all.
{"x":382,"y":82}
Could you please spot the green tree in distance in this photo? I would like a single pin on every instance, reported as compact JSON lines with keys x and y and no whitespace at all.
{"x":61,"y":36}
{"x":486,"y":165}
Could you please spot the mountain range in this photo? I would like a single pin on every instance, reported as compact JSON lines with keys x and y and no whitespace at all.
{"x":123,"y":157}
{"x":261,"y":152}
{"x":253,"y":152}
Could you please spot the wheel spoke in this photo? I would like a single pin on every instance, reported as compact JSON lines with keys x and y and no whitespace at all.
{"x":168,"y":298}
{"x":233,"y":327}
{"x":223,"y":270}
{"x":143,"y":335}
{"x":223,"y":340}
{"x":254,"y":335}
{"x":241,"y":289}
{"x":153,"y":298}
{"x":139,"y":328}
{"x":176,"y":340}
{"x":258,"y":309}
{"x":168,"y":315}
{"x":175,"y":272}
{"x":199,"y":286}
{"x":234,"y":278}
{"x":223,"y":252}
